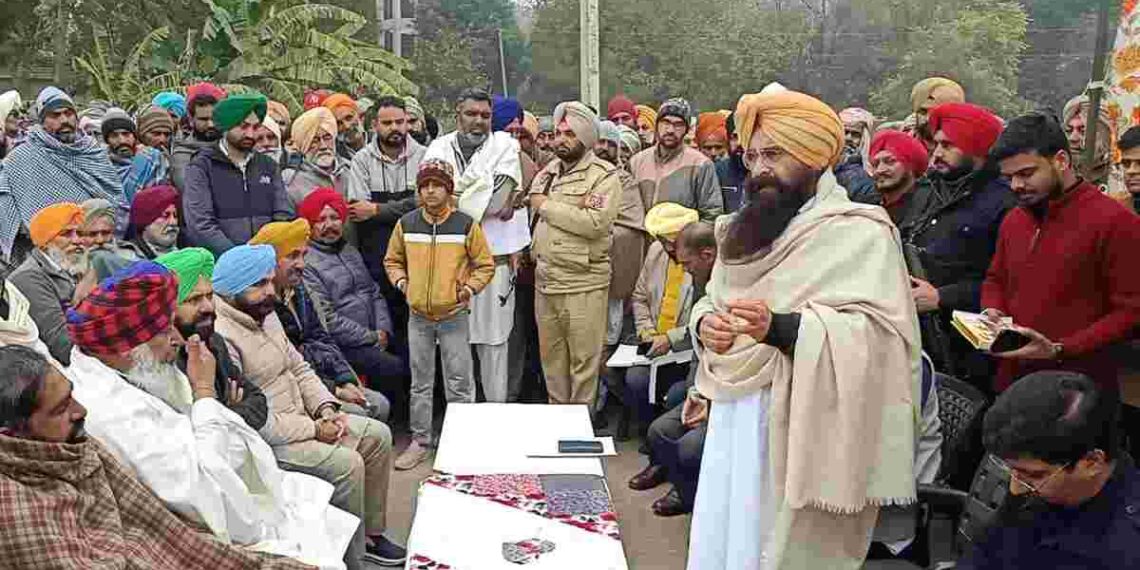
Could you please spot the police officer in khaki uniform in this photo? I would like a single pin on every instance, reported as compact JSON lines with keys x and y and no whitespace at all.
{"x":575,"y":200}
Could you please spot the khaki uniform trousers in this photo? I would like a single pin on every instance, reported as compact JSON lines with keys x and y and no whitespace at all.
{"x":571,"y":332}
{"x":358,"y":469}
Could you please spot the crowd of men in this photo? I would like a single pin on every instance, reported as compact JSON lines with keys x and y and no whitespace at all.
{"x":216,"y":313}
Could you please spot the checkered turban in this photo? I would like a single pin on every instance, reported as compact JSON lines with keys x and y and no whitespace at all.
{"x":126,"y":310}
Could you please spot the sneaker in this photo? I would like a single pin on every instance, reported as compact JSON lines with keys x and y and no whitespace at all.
{"x":385,"y":552}
{"x":412,"y":456}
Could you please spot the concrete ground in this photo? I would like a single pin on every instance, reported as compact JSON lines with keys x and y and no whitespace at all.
{"x":650,"y":542}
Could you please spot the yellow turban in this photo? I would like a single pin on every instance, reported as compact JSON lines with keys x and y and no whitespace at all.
{"x":647,"y":115}
{"x":49,"y":222}
{"x":285,"y":237}
{"x":308,"y":126}
{"x":530,"y":124}
{"x":800,"y":124}
{"x":935,"y":91}
{"x":667,"y":219}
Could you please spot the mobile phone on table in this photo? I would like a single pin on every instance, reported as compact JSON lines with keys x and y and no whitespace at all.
{"x":643,"y":348}
{"x":579,"y":446}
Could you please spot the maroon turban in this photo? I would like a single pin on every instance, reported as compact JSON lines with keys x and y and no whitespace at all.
{"x":971,"y":128}
{"x":311,"y":207}
{"x":126,"y":310}
{"x":905,"y":148}
{"x":621,"y":104}
{"x":150,"y":203}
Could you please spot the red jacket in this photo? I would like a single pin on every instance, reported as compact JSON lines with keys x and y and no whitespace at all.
{"x":1073,"y":276}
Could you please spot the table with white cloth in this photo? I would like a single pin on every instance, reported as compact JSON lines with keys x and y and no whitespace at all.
{"x":490,"y":504}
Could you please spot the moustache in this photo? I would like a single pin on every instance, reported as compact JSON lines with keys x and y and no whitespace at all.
{"x":78,"y":431}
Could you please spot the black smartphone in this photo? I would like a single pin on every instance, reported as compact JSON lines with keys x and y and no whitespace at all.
{"x":579,"y":446}
{"x":643,"y":348}
{"x":1008,"y":340}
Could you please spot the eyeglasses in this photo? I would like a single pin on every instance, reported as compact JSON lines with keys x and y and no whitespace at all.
{"x":766,"y":156}
{"x":1034,"y":490}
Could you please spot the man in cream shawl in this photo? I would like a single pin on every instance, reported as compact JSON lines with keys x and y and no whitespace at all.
{"x":809,"y":347}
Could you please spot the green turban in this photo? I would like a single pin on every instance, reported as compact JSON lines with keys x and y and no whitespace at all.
{"x":190,"y":265}
{"x":231,"y":111}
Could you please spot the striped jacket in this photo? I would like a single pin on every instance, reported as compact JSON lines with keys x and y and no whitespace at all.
{"x":438,"y":258}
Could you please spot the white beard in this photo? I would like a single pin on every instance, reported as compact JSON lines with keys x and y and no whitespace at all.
{"x":163,"y":380}
{"x":74,"y":264}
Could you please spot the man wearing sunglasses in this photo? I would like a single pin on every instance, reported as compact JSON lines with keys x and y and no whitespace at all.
{"x":1074,"y":496}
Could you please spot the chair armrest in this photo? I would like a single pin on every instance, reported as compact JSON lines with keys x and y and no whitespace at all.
{"x":943,"y":499}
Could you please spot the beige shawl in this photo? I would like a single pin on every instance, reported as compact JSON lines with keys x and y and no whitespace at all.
{"x":843,"y":412}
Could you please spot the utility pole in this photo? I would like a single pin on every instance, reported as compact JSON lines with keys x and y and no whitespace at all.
{"x":502,"y":65}
{"x":590,"y":87}
{"x":1096,"y":84}
{"x":395,"y":24}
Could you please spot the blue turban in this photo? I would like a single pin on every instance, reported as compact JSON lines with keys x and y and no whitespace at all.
{"x":608,"y":131}
{"x":243,"y":267}
{"x":503,"y":111}
{"x":172,"y":102}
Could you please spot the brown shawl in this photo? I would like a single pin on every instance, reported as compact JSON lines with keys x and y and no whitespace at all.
{"x":72,"y":506}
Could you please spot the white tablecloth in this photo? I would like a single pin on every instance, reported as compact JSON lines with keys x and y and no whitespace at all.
{"x":486,"y":439}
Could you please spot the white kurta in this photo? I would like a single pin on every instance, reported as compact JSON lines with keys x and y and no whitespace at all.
{"x":734,"y":508}
{"x":491,"y":321}
{"x":211,"y":467}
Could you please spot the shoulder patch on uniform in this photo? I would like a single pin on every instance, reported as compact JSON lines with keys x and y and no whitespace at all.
{"x":596,"y":201}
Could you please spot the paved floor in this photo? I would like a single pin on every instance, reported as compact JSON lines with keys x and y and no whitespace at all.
{"x":651,"y":542}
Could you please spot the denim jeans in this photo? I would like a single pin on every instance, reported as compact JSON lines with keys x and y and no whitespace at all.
{"x":458,"y":377}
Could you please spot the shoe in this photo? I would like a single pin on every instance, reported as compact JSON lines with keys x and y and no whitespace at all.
{"x":385,"y":552}
{"x":670,"y":505}
{"x":412,"y":456}
{"x":649,"y":478}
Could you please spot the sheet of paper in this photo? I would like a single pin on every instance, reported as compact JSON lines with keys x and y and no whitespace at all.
{"x":550,"y":449}
{"x":468,"y":532}
{"x":508,"y":237}
{"x":626,"y":356}
{"x":486,"y":439}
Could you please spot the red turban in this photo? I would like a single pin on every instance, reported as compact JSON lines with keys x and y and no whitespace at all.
{"x":712,"y":126}
{"x":621,"y":104}
{"x":971,"y":128}
{"x":314,"y":99}
{"x":126,"y":310}
{"x":311,"y":207}
{"x":905,"y":148}
{"x":203,"y":89}
{"x":150,"y":203}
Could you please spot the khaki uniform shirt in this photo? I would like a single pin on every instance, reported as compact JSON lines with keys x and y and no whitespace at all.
{"x":572,"y":230}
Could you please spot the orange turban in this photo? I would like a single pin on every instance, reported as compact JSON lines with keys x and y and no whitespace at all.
{"x":285,"y":237}
{"x":338,"y":100}
{"x":49,"y":222}
{"x":800,"y":124}
{"x":712,"y":126}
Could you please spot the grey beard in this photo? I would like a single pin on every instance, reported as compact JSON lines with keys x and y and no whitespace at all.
{"x":164,"y":239}
{"x":75,"y":265}
{"x":471,"y":140}
{"x":163,"y":380}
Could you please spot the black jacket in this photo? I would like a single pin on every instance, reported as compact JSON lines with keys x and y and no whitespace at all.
{"x":956,"y":234}
{"x":1102,"y":534}
{"x":253,"y":407}
{"x":224,"y":206}
{"x":730,"y":174}
{"x":307,"y":332}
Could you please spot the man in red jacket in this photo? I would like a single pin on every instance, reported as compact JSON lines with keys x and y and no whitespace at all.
{"x":1064,"y":269}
